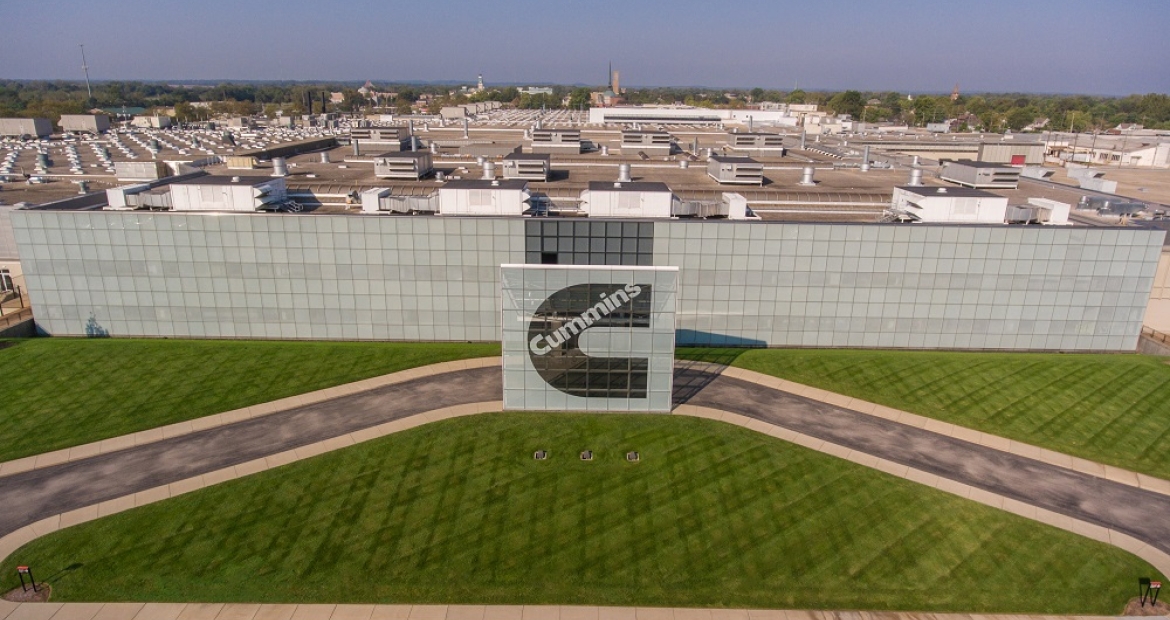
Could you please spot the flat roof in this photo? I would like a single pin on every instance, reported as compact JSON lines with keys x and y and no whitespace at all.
{"x":225,"y":179}
{"x":486,"y":184}
{"x":529,"y":156}
{"x":962,"y":192}
{"x":628,"y":186}
{"x":733,"y":160}
{"x":980,"y":164}
{"x":628,"y":132}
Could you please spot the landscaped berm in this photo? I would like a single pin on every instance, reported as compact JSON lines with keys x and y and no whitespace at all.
{"x":460,"y":511}
{"x":62,"y":392}
{"x":1106,"y":408}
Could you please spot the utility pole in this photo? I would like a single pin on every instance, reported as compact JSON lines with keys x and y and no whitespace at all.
{"x":85,"y":67}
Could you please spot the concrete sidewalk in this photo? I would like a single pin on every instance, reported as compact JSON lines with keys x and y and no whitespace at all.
{"x":217,"y":611}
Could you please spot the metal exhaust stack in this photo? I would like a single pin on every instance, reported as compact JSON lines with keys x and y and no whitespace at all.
{"x":624,"y":173}
{"x":489,"y":171}
{"x":465,"y":131}
{"x":324,"y":157}
{"x":803,"y":139}
{"x":279,"y":167}
{"x":916,"y":178}
{"x":806,"y":177}
{"x":865,"y":159}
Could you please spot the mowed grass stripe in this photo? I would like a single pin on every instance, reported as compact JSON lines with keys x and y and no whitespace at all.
{"x":61,"y":393}
{"x":458,"y":512}
{"x":1107,"y":408}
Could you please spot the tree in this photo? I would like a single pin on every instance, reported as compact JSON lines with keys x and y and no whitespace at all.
{"x":757,"y":94}
{"x":796,"y":96}
{"x":580,"y":98}
{"x":1019,"y":118}
{"x":353,"y":100}
{"x":926,"y":110}
{"x":849,"y":102}
{"x":184,"y":112}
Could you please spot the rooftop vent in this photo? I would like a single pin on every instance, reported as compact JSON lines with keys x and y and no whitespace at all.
{"x":587,"y":455}
{"x":633,"y":457}
{"x":540,"y":455}
{"x":942,"y":190}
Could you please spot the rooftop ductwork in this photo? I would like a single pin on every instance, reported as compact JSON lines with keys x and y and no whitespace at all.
{"x":806,"y":177}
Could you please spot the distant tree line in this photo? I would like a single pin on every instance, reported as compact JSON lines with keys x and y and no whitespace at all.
{"x":982,"y":112}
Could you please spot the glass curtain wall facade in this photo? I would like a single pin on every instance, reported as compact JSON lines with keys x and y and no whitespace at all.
{"x":438,"y":278}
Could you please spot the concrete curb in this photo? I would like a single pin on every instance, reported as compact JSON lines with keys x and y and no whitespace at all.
{"x":1011,"y":446}
{"x":1156,"y":557}
{"x":151,"y":435}
{"x":246,"y":611}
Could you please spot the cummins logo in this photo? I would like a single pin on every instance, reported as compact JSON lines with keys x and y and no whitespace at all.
{"x":543,"y":343}
{"x":556,"y":328}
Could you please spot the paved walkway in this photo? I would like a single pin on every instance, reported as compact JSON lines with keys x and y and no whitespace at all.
{"x":48,"y":497}
{"x":215,"y":611}
{"x":34,"y":495}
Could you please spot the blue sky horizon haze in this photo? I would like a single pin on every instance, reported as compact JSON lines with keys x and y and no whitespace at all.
{"x":1036,"y":46}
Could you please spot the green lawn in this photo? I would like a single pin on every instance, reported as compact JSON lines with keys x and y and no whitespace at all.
{"x":63,"y":392}
{"x":1109,"y":408}
{"x":459,"y":512}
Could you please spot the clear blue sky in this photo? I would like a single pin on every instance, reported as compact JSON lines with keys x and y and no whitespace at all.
{"x":1080,"y":46}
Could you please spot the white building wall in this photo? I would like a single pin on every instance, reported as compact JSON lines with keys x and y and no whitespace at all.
{"x":1158,"y":311}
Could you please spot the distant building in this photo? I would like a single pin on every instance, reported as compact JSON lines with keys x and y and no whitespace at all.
{"x":26,"y":127}
{"x":88,"y":123}
{"x":1014,"y":152}
{"x":152,"y":122}
{"x":611,"y":96}
{"x":536,"y":90}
